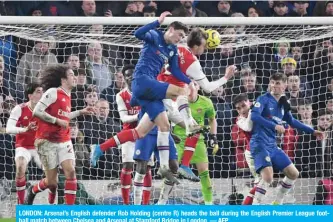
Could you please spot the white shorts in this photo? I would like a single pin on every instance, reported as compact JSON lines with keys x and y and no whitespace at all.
{"x":127,"y":153}
{"x":250,"y":162}
{"x":53,"y":154}
{"x":173,"y":112}
{"x":28,"y":154}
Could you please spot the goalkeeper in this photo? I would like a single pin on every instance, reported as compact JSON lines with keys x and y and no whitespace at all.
{"x":201,"y":108}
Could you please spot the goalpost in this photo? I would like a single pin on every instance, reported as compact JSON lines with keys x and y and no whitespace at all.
{"x":255,"y":45}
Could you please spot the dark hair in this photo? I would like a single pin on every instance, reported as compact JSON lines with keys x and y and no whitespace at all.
{"x":149,"y":9}
{"x":259,"y":12}
{"x":90,"y":89}
{"x":127,"y":67}
{"x":30,"y":88}
{"x":304,"y":102}
{"x":179,"y":26}
{"x":240,"y":98}
{"x":195,"y":37}
{"x":51,"y":76}
{"x":278,"y":77}
{"x":324,"y":112}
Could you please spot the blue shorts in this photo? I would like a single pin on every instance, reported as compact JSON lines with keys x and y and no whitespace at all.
{"x":148,"y":93}
{"x":265,"y":156}
{"x":147,"y":145}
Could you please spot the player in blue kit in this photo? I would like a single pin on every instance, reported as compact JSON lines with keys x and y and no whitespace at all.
{"x":144,"y":148}
{"x":159,"y":49}
{"x":269,"y":114}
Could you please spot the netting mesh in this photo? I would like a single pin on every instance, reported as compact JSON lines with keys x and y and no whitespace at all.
{"x":97,"y":53}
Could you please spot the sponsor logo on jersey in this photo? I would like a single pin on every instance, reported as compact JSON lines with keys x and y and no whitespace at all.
{"x":171,"y":53}
{"x":257,"y":104}
{"x":25,"y":117}
{"x":199,"y":110}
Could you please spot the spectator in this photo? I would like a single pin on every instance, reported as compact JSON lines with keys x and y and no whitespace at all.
{"x":97,"y":67}
{"x":132,"y":9}
{"x":289,"y":68}
{"x":88,"y":8}
{"x":140,"y":6}
{"x":188,"y":10}
{"x":110,"y":92}
{"x":149,"y":11}
{"x":90,"y":96}
{"x":282,"y":50}
{"x":329,"y":105}
{"x":253,"y":11}
{"x":96,"y":29}
{"x":73,"y":61}
{"x":325,"y":94}
{"x":80,"y":149}
{"x":324,"y":190}
{"x":33,"y":62}
{"x":223,"y":9}
{"x":329,"y":8}
{"x":304,"y":111}
{"x":311,"y":154}
{"x":280,"y":9}
{"x":294,"y":92}
{"x":36,"y":12}
{"x":97,"y":129}
{"x":78,"y":93}
{"x":249,"y":85}
{"x":300,"y":9}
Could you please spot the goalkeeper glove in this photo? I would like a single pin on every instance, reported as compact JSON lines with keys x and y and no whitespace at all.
{"x":213,"y":143}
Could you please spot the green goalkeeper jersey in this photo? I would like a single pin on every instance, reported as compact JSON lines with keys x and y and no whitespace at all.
{"x":201,"y":109}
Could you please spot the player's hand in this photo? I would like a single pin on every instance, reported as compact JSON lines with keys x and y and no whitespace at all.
{"x":213,"y":143}
{"x":162,"y":16}
{"x":62,"y":123}
{"x":319,"y":135}
{"x":108,"y":13}
{"x":230,"y":72}
{"x":31,"y":126}
{"x":89,"y":110}
{"x":280,"y":129}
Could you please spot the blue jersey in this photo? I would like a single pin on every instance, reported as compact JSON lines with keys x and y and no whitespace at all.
{"x":266,"y":114}
{"x":156,"y":53}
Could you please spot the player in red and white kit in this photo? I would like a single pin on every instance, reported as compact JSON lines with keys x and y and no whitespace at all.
{"x":245,"y":124}
{"x":53,"y":139}
{"x":129,"y":117}
{"x":23,"y":125}
{"x":190,"y":65}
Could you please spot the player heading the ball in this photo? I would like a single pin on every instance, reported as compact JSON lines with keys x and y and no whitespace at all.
{"x":159,"y":49}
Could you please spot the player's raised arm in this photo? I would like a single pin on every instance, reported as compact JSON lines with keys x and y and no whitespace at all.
{"x":256,"y":116}
{"x":175,"y":70}
{"x":143,"y":33}
{"x":11,"y":127}
{"x":195,"y":72}
{"x":123,"y":112}
{"x":48,"y":98}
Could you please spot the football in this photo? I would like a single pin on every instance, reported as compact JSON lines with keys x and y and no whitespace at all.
{"x":213,"y":40}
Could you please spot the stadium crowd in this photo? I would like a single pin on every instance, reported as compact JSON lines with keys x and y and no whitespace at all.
{"x":308,"y":65}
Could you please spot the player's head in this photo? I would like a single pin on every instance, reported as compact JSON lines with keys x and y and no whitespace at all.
{"x":193,"y":96}
{"x":128,"y":71}
{"x":278,"y":84}
{"x":33,"y":92}
{"x":242,"y":104}
{"x":58,"y":76}
{"x":196,"y":40}
{"x":175,"y":33}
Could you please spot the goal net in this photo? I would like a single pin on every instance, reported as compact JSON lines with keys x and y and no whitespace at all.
{"x":97,"y":49}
